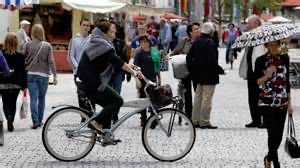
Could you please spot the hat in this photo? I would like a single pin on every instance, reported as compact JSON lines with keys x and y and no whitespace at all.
{"x":207,"y":28}
{"x":24,"y":22}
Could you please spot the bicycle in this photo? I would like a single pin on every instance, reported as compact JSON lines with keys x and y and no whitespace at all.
{"x":68,"y":129}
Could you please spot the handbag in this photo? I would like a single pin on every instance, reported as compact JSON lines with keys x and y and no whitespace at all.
{"x":243,"y":67}
{"x":291,"y":145}
{"x":24,"y":106}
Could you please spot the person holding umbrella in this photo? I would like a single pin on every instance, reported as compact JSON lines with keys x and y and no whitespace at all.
{"x":271,"y":74}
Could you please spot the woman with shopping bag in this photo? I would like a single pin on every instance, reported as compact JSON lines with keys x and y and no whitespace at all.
{"x":272,"y":74}
{"x":11,"y":85}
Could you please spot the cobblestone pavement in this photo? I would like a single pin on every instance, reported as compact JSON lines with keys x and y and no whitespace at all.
{"x":230,"y":146}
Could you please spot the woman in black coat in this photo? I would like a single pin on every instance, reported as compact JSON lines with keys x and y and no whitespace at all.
{"x":11,"y":85}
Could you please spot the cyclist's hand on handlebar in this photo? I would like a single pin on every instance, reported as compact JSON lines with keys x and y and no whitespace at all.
{"x":138,"y":74}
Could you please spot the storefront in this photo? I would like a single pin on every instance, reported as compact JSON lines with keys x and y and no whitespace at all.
{"x":57,"y":23}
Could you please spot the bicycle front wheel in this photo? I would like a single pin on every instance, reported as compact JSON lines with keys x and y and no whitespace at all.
{"x":168,"y":141}
{"x":62,"y":137}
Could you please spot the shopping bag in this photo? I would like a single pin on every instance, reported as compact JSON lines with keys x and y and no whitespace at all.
{"x":24,"y":107}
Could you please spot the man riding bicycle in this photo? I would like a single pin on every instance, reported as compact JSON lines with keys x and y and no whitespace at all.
{"x":95,"y":68}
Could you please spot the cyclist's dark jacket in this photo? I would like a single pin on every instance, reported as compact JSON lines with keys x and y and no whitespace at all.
{"x":98,"y":55}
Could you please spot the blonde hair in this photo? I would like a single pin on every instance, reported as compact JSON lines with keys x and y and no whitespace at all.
{"x":38,"y":32}
{"x":11,"y":43}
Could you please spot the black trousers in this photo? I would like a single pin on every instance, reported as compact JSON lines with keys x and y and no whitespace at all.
{"x":275,"y":119}
{"x":9,"y":99}
{"x":82,"y":96}
{"x":253,"y":95}
{"x":111,"y":102}
{"x":188,"y":99}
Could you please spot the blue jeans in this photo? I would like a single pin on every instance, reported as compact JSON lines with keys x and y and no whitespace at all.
{"x":37,"y":86}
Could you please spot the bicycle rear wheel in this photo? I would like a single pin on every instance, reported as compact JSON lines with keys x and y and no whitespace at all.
{"x":168,"y":141}
{"x":61,"y":136}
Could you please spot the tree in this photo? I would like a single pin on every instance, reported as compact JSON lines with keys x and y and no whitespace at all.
{"x":272,"y":5}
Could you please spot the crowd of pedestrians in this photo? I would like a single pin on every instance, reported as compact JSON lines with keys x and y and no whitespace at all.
{"x":100,"y":63}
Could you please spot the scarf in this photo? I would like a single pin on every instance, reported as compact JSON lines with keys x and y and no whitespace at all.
{"x":98,"y":44}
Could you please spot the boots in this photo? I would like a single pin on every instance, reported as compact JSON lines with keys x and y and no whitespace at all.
{"x":10,"y":126}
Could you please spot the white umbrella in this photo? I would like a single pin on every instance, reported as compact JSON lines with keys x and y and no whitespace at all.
{"x":93,"y":6}
{"x":279,"y":19}
{"x":265,"y":34}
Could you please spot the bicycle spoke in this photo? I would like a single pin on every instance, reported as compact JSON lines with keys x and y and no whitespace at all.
{"x":163,"y":144}
{"x":65,"y":137}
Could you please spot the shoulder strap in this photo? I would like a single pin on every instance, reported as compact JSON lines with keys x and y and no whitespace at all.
{"x":34,"y":59}
{"x":291,"y":127}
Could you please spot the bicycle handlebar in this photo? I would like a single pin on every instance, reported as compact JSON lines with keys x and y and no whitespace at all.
{"x":148,"y":82}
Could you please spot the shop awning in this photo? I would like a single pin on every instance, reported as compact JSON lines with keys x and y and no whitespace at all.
{"x":169,"y":15}
{"x":142,"y":10}
{"x":93,"y":6}
{"x":17,"y":4}
{"x":291,"y":3}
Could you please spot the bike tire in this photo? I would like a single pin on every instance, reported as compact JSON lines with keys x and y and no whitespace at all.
{"x":186,"y":132}
{"x":50,"y":147}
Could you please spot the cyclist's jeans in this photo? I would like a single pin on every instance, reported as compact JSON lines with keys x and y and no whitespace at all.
{"x":111,"y":102}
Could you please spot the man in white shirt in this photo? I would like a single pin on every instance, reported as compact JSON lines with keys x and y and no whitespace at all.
{"x":251,"y":54}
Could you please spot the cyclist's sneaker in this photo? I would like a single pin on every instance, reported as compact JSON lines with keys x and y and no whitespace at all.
{"x":107,"y":139}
